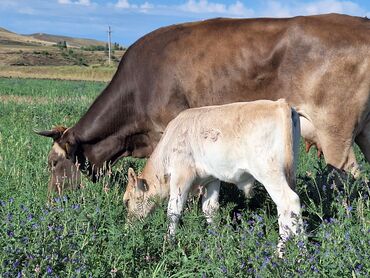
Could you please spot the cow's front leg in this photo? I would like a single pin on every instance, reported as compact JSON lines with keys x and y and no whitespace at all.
{"x":179,"y":190}
{"x":351,"y":165}
{"x":363,"y":141}
{"x":339,"y":153}
{"x":210,"y":200}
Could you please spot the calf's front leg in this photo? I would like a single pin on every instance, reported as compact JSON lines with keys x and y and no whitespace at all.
{"x":179,"y":190}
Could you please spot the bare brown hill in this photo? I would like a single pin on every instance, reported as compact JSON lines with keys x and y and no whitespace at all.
{"x":10,"y":38}
{"x":72,"y":42}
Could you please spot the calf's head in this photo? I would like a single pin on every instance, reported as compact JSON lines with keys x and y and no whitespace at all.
{"x":62,"y":161}
{"x":138,"y":196}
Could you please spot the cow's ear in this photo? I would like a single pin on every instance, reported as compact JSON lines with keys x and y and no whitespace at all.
{"x":132,"y":178}
{"x":54,"y":133}
{"x":142,"y":185}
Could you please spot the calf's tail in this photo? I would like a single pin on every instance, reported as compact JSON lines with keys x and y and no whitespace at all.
{"x":292,"y":132}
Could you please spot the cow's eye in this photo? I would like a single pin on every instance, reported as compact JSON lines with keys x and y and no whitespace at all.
{"x":126,"y":202}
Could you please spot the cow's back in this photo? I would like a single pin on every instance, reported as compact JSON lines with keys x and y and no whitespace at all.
{"x":195,"y":64}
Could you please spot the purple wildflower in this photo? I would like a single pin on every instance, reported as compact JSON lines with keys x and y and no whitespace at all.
{"x":243,"y":264}
{"x":300,"y":244}
{"x":19,"y":275}
{"x":2,"y":203}
{"x":30,"y":217}
{"x":259,"y":218}
{"x":10,"y":233}
{"x":358,"y":267}
{"x":11,"y":200}
{"x":212,"y":232}
{"x":16,"y":264}
{"x":10,"y":216}
{"x":76,"y":206}
{"x":346,"y":235}
{"x":224,"y":269}
{"x":314,"y":268}
{"x":49,"y":270}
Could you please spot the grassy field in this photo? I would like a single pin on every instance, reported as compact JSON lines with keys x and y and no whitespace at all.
{"x":84,"y":233}
{"x":92,"y":73}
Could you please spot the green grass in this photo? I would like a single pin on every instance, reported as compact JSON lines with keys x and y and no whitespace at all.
{"x":84,"y":233}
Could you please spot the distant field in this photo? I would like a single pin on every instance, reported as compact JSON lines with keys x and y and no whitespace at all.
{"x":51,"y":57}
{"x":84,"y":233}
{"x":92,"y":73}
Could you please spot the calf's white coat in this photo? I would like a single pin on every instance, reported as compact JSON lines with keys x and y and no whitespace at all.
{"x":236,"y":143}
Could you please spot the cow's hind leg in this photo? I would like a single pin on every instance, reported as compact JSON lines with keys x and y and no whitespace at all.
{"x":210,"y":200}
{"x":180,"y":185}
{"x":288,"y":207}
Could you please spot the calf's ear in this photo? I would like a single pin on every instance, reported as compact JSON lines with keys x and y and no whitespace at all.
{"x":132,"y":178}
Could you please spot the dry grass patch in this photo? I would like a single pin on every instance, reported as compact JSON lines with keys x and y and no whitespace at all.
{"x":59,"y":72}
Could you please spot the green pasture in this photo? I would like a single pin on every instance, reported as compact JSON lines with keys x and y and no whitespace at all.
{"x":84,"y":233}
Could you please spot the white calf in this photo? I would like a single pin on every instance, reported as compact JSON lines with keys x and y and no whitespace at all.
{"x":236,"y":143}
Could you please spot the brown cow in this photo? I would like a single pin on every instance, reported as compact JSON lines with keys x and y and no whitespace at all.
{"x":320,"y":64}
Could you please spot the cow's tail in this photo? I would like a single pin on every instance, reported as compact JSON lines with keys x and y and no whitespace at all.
{"x":292,"y":132}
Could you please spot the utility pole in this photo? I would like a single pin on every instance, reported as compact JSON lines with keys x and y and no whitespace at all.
{"x":109,"y":44}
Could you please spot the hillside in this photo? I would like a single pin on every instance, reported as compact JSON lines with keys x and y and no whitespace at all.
{"x":72,"y":42}
{"x":9,"y":38}
{"x":41,"y":49}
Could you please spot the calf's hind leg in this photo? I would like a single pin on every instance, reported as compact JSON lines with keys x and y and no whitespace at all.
{"x":288,"y":207}
{"x":247,"y":187}
{"x":210,"y":200}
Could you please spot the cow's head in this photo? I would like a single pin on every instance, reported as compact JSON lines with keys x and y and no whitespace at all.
{"x":62,"y":161}
{"x":138,"y":196}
